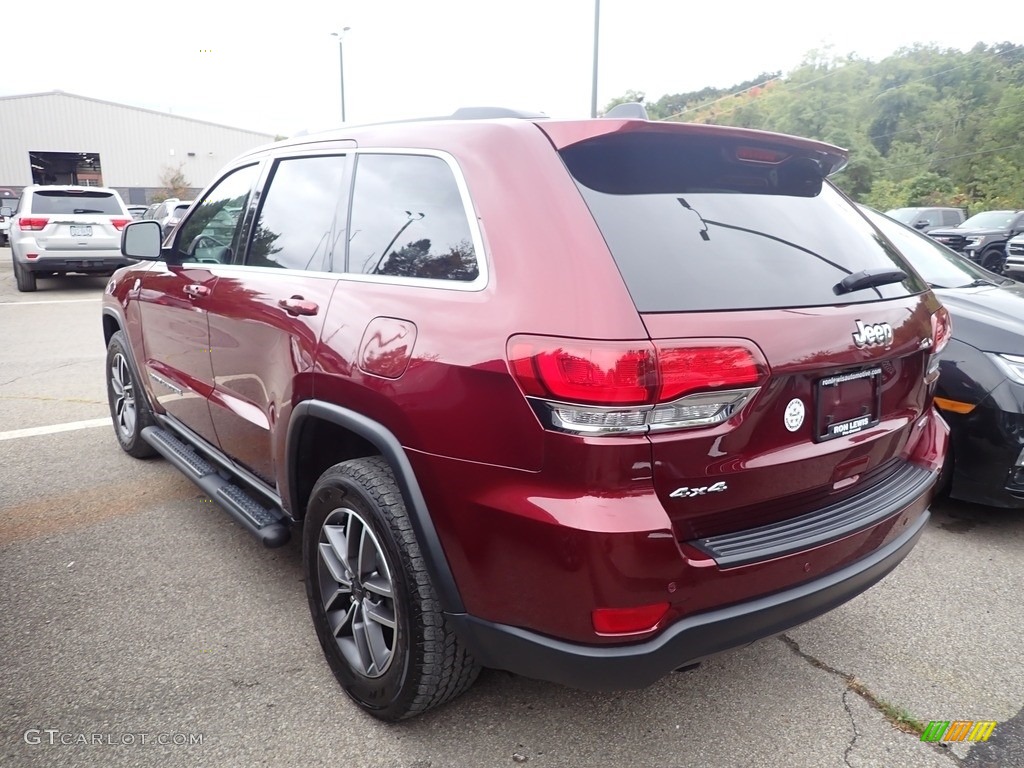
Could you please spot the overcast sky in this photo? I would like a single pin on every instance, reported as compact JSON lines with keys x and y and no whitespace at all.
{"x":278,"y":71}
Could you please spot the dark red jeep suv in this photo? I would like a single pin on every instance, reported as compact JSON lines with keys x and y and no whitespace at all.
{"x":585,"y":400}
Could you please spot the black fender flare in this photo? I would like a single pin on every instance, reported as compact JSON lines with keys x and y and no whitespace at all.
{"x":391,"y":449}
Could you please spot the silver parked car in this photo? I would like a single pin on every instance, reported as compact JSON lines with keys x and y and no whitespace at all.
{"x":61,"y":229}
{"x":167,"y":213}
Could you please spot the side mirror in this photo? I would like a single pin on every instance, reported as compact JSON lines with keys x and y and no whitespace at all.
{"x":921,"y":224}
{"x":6,"y":211}
{"x":141,"y":240}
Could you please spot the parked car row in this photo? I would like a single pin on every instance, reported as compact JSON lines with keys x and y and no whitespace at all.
{"x":61,"y":229}
{"x":983,"y":238}
{"x":167,"y":213}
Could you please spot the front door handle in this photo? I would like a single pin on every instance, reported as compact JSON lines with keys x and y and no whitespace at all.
{"x":195,"y":290}
{"x":297,"y":305}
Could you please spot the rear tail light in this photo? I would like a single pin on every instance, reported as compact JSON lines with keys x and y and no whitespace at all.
{"x":119,"y":224}
{"x":32,"y":224}
{"x":601,"y":387}
{"x":942,"y":331}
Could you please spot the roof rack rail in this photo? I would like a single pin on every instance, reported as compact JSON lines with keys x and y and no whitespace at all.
{"x":628,"y":110}
{"x":485,"y":113}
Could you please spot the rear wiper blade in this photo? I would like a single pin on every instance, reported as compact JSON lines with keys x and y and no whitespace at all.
{"x":869,"y":278}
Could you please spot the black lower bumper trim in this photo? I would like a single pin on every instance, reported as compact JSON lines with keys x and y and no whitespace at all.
{"x":623,"y":667}
{"x":821,"y":526}
{"x":84,"y":264}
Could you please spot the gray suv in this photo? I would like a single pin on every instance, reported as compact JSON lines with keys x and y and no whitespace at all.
{"x":927,"y":219}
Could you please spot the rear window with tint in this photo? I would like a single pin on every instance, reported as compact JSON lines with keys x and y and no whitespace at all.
{"x":64,"y":202}
{"x":693,"y":228}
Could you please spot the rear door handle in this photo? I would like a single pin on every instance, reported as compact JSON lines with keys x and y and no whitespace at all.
{"x":297,"y":305}
{"x":195,"y":290}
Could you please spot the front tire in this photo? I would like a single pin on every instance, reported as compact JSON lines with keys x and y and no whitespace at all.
{"x":128,"y":407}
{"x":374,"y":609}
{"x":23,"y":278}
{"x":993,"y":260}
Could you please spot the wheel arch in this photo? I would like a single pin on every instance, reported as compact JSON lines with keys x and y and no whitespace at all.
{"x":111,"y":324}
{"x":364,"y":437}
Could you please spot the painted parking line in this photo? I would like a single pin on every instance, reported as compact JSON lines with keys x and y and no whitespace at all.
{"x":69,"y":426}
{"x":53,"y":301}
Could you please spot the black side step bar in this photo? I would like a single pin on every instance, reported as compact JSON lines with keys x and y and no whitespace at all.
{"x":266,"y":524}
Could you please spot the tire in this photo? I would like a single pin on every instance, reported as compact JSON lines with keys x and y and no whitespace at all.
{"x":25,"y":280}
{"x":392,"y":650}
{"x":128,"y":407}
{"x":993,"y":260}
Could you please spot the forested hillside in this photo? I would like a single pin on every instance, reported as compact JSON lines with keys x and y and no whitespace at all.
{"x":926,"y":126}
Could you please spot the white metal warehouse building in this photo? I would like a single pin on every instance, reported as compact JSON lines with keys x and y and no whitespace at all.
{"x":61,"y":138}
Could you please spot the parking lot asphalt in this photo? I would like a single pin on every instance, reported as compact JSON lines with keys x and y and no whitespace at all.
{"x":140,"y":626}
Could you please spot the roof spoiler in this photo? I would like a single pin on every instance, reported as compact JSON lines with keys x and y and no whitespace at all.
{"x":630,"y":110}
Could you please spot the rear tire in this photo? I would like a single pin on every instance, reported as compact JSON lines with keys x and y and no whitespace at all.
{"x":374,"y":609}
{"x":25,"y":280}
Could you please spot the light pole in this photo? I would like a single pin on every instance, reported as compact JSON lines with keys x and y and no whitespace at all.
{"x":341,"y":67}
{"x":597,"y":27}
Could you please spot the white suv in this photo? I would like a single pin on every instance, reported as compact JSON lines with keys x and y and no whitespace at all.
{"x":61,"y":229}
{"x":1014,"y":264}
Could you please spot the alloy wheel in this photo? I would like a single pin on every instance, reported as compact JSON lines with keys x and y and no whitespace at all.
{"x":357,"y":592}
{"x":125,"y":414}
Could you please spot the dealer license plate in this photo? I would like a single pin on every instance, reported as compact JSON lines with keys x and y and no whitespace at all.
{"x":848,"y":403}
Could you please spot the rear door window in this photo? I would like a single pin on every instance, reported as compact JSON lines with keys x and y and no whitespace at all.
{"x":692,"y":227}
{"x":950,"y":218}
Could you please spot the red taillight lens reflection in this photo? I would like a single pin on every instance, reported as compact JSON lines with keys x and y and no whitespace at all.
{"x":585,"y":372}
{"x":942,"y":330}
{"x":32,"y":224}
{"x":687,"y":369}
{"x":629,"y":372}
{"x":119,"y":224}
{"x":624,"y":621}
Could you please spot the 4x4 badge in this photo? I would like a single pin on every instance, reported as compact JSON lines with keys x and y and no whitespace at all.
{"x":688,"y":493}
{"x":877,"y":333}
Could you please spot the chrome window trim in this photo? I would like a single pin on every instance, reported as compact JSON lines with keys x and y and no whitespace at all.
{"x":472,"y":219}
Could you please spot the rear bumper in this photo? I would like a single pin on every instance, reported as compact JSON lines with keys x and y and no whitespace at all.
{"x":689,"y":640}
{"x":81,"y":262}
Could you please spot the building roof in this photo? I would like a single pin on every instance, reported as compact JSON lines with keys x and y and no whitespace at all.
{"x":171,"y":115}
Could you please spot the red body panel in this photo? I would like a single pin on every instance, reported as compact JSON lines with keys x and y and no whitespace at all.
{"x":253,"y":398}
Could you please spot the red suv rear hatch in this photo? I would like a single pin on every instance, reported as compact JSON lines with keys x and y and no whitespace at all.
{"x":732,"y":240}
